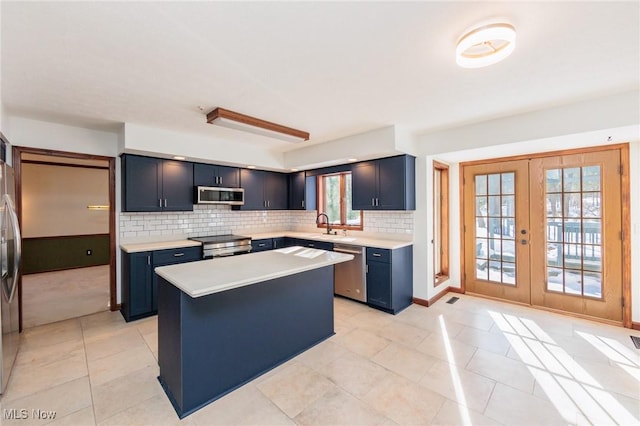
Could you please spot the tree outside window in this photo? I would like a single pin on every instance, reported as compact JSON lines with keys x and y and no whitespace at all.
{"x":334,"y":199}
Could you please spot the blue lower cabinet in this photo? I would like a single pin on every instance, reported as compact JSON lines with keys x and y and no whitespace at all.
{"x":263,"y":244}
{"x":279,"y":242}
{"x":140,"y":283}
{"x":379,"y":284}
{"x":390,"y":278}
{"x":290,"y":241}
{"x":322,"y":245}
{"x":136,"y":285}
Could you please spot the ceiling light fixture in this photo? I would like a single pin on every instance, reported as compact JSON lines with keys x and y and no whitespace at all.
{"x":485,"y":45}
{"x":179,"y":157}
{"x":235,"y":120}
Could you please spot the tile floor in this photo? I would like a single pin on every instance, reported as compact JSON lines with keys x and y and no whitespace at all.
{"x":55,"y":296}
{"x":473,"y":362}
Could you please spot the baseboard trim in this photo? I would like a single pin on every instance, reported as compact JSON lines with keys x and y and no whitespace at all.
{"x":434,"y":299}
{"x":421,"y":302}
{"x":635,"y":325}
{"x":116,"y":307}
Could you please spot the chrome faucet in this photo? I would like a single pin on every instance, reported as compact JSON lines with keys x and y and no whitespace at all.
{"x":327,"y":222}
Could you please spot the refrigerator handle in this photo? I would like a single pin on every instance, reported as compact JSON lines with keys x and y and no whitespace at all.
{"x":17,"y":239}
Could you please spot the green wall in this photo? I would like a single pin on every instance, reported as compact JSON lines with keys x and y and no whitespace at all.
{"x":57,"y":253}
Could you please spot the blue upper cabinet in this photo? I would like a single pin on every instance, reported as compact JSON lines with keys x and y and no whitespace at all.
{"x":364,"y":181}
{"x":384,"y":184}
{"x":154,"y":185}
{"x":141,"y":191}
{"x":213,"y":175}
{"x":263,"y":190}
{"x":302,"y":191}
{"x":276,"y":190}
{"x":253,"y":184}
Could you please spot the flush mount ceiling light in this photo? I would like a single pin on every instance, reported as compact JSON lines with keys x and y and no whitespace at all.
{"x":485,"y":45}
{"x":235,"y":120}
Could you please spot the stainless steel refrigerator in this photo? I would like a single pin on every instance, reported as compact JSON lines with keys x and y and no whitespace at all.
{"x":10,"y":252}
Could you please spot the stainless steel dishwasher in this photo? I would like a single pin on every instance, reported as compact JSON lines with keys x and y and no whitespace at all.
{"x":350,"y":277}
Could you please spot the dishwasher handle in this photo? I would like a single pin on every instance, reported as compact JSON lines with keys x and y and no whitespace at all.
{"x":341,"y":250}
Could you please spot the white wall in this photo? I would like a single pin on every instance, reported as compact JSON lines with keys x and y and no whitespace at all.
{"x":376,"y":143}
{"x":45,"y":135}
{"x":610,"y":120}
{"x":154,"y":141}
{"x":564,"y":122}
{"x":55,"y":200}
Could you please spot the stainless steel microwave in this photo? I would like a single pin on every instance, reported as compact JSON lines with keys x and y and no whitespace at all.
{"x":217,"y":195}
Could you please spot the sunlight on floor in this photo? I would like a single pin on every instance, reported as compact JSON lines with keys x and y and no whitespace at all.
{"x":572,"y":390}
{"x":455,"y":376}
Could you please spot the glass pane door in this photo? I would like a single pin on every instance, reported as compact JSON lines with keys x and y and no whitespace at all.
{"x":496,"y":230}
{"x":574,"y":230}
{"x":576,"y":250}
{"x":495,"y":227}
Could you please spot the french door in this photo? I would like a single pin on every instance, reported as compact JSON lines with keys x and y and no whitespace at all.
{"x":496,"y":218}
{"x":547,"y":232}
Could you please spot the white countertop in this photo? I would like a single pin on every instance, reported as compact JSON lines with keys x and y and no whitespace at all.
{"x":160,"y":245}
{"x":337,"y":239}
{"x":224,"y":273}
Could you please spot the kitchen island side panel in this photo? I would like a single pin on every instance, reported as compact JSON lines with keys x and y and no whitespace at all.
{"x":229,"y":338}
{"x":170,"y":340}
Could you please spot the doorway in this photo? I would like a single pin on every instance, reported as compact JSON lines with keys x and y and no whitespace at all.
{"x":65,"y":204}
{"x":547,"y":231}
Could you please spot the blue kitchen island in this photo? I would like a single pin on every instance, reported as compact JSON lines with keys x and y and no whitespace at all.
{"x":222,"y":322}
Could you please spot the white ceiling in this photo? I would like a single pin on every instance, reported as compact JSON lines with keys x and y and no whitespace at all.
{"x":330,"y":68}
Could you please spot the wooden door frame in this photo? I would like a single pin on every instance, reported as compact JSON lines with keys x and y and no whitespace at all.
{"x":625,"y":189}
{"x":17,"y":169}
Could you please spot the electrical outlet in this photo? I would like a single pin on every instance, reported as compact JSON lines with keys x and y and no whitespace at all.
{"x":89,"y":252}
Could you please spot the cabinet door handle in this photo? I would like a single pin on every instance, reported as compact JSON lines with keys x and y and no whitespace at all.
{"x":373,"y":202}
{"x":311,"y":245}
{"x":220,"y":177}
{"x":367,"y":269}
{"x":261,"y":245}
{"x":377,"y":202}
{"x":148,"y":260}
{"x":165,"y":202}
{"x":303,"y":204}
{"x":268,"y":203}
{"x":376,"y":255}
{"x":160,"y":202}
{"x":178,"y":254}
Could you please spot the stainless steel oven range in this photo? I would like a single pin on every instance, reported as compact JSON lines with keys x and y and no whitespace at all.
{"x":223,"y":245}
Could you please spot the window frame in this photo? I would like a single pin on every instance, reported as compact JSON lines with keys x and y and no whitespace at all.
{"x":441,"y":225}
{"x":343,"y":208}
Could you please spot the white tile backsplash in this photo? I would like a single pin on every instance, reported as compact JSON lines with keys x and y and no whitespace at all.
{"x":218,"y":220}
